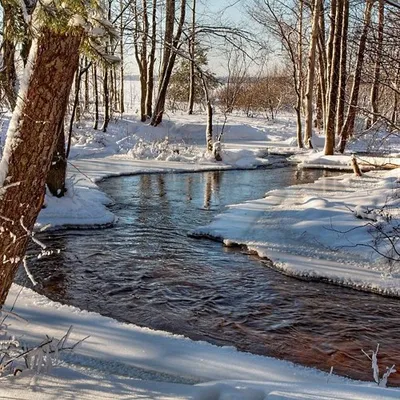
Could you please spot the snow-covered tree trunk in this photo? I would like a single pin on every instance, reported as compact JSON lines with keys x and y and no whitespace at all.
{"x":30,"y":144}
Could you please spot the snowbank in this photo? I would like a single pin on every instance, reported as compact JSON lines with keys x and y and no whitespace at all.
{"x":125,"y":361}
{"x":315,"y":231}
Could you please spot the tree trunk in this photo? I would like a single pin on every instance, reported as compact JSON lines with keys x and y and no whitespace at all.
{"x":168,"y":37}
{"x":300,"y":53}
{"x":58,"y":170}
{"x":121,"y":65}
{"x":96,"y":98}
{"x":8,"y":73}
{"x":75,"y":108}
{"x":311,"y":72}
{"x":140,"y":47}
{"x":343,"y":68}
{"x":86,"y":104}
{"x":348,"y":127}
{"x":322,"y":61}
{"x":377,"y":67}
{"x":334,"y":64}
{"x":192,"y":53}
{"x":106,"y":100}
{"x":167,"y":68}
{"x":152,"y":59}
{"x":30,"y":144}
{"x":395,"y":112}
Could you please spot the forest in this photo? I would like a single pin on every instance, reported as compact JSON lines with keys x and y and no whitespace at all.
{"x":134,"y":131}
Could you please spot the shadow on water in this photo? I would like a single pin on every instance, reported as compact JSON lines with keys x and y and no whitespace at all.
{"x":146,"y":270}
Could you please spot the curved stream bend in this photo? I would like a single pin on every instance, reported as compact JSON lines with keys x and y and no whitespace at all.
{"x":147,"y":271}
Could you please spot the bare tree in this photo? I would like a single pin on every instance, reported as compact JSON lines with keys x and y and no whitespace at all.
{"x":343,"y":68}
{"x":279,"y":19}
{"x":311,"y":71}
{"x":171,"y":46}
{"x":351,"y":114}
{"x":334,"y":79}
{"x":192,"y":54}
{"x":377,"y":67}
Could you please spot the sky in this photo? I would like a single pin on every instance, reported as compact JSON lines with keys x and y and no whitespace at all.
{"x":216,"y":13}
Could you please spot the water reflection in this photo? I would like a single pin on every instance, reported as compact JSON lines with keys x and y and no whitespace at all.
{"x":145,"y":270}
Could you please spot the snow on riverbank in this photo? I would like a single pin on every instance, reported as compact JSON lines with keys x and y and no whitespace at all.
{"x":123,"y":361}
{"x":296,"y":227}
{"x":332,"y":230}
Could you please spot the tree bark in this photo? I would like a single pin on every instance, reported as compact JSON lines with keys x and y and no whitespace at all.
{"x":334,"y":64}
{"x":169,"y":62}
{"x":377,"y":67}
{"x":152,"y":59}
{"x":343,"y":68}
{"x":106,"y":100}
{"x":322,"y":61}
{"x":57,"y":173}
{"x":96,"y":98}
{"x":121,"y":65}
{"x":192,"y":53}
{"x":30,"y":144}
{"x":8,"y":73}
{"x":311,"y":72}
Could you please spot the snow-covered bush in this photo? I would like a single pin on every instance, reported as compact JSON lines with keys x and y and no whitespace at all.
{"x":162,"y":150}
{"x":384,"y":226}
{"x":16,"y":357}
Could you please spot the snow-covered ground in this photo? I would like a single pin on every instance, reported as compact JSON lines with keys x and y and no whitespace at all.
{"x":123,"y":361}
{"x":312,"y":231}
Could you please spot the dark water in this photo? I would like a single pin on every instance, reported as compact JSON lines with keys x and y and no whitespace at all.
{"x":147,"y":271}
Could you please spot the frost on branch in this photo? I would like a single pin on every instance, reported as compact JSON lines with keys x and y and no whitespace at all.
{"x":380,"y":381}
{"x":16,"y":357}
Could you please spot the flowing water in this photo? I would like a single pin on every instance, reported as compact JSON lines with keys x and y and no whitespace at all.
{"x":146,"y":270}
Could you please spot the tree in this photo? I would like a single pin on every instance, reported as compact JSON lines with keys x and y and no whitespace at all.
{"x":351,"y":114}
{"x":171,"y":46}
{"x":141,"y":33}
{"x":343,"y":68}
{"x":281,"y":21}
{"x":334,"y":77}
{"x":377,"y":67}
{"x":311,"y":71}
{"x":192,"y":55}
{"x":181,"y":79}
{"x":31,"y":137}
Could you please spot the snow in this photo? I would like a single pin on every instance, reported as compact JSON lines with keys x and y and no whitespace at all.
{"x":299,"y":228}
{"x":13,"y":138}
{"x":312,"y":231}
{"x":125,"y":361}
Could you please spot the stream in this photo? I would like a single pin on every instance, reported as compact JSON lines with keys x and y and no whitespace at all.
{"x":146,"y":270}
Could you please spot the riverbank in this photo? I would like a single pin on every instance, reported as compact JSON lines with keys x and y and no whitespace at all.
{"x":341,"y":230}
{"x":124,"y":361}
